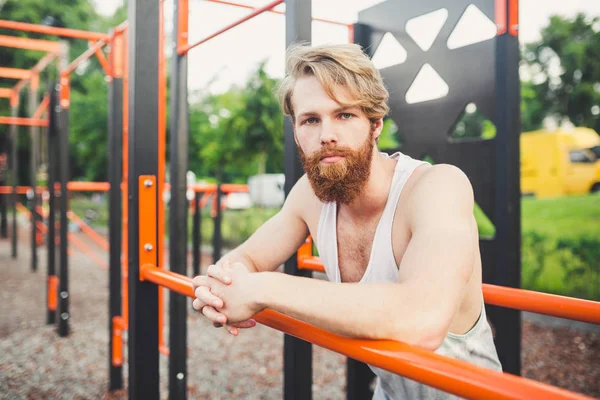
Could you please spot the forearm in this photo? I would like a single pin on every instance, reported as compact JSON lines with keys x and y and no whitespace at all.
{"x":239,"y":255}
{"x":367,"y":311}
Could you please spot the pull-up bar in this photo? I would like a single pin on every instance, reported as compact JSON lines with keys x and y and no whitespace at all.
{"x":448,"y":374}
{"x":51,"y":30}
{"x":14,"y":73}
{"x":29,"y":44}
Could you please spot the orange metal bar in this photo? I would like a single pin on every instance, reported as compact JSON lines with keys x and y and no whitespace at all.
{"x":162,"y":143}
{"x":117,"y":55}
{"x":43,"y":107}
{"x":500,"y":16}
{"x":102,"y":60}
{"x":448,"y":374}
{"x":50,"y":30}
{"x":65,"y":90}
{"x":85,"y":228}
{"x":513,"y":17}
{"x":81,"y":246}
{"x":228,"y":3}
{"x":182,"y":24}
{"x":6,"y":93}
{"x":29,"y":44}
{"x":23,"y":121}
{"x":258,"y":11}
{"x":117,"y":347}
{"x":520,"y":299}
{"x":543,"y":303}
{"x":39,"y":67}
{"x":14,"y":73}
{"x":147,"y":220}
{"x":83,"y":57}
{"x":88,"y":186}
{"x":52,"y":292}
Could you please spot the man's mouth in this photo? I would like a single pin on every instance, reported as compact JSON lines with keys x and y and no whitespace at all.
{"x":331,"y":158}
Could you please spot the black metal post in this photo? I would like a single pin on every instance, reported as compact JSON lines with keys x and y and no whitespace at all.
{"x":53,"y":112}
{"x":297,"y":353}
{"x":14,"y":163}
{"x":3,"y":214}
{"x":178,"y":214}
{"x":217,"y":235}
{"x":115,"y":167}
{"x":63,"y":168}
{"x":507,"y":195}
{"x":196,"y":235}
{"x":32,"y":105}
{"x":143,"y":58}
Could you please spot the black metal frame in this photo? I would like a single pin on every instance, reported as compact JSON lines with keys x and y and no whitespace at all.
{"x":143,"y":17}
{"x":217,"y":238}
{"x":14,"y":167}
{"x":52,"y":159}
{"x":33,"y":135}
{"x":178,"y":216}
{"x":115,"y":162}
{"x":297,"y":353}
{"x":196,"y":235}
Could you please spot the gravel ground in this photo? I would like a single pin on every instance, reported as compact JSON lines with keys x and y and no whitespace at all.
{"x":37,"y":364}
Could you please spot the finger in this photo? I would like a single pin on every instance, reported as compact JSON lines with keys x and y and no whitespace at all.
{"x":199,"y":281}
{"x":214,"y":315}
{"x":205,"y":295}
{"x":245,"y":324}
{"x":232,"y":330}
{"x":214,"y":271}
{"x":197,"y":304}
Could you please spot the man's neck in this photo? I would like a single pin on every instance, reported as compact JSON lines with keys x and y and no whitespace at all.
{"x":374,"y":196}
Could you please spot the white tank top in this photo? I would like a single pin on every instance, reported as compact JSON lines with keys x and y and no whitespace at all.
{"x":476,"y":346}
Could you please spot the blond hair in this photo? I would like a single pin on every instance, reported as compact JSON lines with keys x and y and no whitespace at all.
{"x":341,"y":65}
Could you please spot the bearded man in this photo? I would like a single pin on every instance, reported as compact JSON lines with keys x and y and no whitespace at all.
{"x":397,"y":236}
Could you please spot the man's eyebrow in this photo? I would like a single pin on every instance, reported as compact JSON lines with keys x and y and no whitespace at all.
{"x":335,"y":111}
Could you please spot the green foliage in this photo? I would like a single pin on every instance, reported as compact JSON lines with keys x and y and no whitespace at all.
{"x":389,"y":137}
{"x":576,"y":44}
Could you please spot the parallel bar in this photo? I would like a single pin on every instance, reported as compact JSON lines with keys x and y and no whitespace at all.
{"x":258,"y":11}
{"x":23,"y":121}
{"x":143,"y":32}
{"x":29,"y":44}
{"x":50,"y":30}
{"x":519,"y":299}
{"x":445,"y":373}
{"x":297,"y":355}
{"x":14,"y":73}
{"x":51,"y":237}
{"x":178,"y":216}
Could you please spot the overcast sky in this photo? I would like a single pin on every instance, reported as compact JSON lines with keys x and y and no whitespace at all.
{"x":233,"y":55}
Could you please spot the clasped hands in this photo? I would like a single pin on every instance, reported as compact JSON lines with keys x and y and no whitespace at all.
{"x":228,"y":295}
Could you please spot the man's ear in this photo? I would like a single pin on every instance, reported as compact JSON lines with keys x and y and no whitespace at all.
{"x":377,"y":127}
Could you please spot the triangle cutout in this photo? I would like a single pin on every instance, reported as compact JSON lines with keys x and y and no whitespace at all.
{"x":389,"y":52}
{"x":425,"y":28}
{"x":472,"y":27}
{"x":428,"y":85}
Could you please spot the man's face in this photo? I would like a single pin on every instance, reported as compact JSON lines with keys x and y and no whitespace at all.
{"x":336,"y":144}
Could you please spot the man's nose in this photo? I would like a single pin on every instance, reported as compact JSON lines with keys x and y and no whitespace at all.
{"x":328,"y":134}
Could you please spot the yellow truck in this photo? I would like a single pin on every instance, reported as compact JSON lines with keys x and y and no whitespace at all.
{"x":561,"y":162}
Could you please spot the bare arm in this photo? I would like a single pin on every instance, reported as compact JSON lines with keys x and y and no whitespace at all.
{"x":435,"y":268}
{"x":277,"y":239}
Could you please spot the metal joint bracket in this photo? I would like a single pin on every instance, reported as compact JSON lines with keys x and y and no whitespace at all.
{"x":147,"y":221}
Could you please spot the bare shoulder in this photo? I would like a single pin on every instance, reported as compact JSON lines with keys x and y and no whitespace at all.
{"x":440,"y":189}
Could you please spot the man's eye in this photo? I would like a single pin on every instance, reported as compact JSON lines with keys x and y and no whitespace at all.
{"x":346,"y":115}
{"x":310,"y":121}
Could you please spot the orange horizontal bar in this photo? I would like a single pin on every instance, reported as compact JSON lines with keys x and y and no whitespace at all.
{"x":14,"y":73}
{"x":23,"y":121}
{"x":51,"y":30}
{"x":43,"y":107}
{"x":29,"y":44}
{"x":258,"y":11}
{"x":520,"y":299}
{"x":6,"y":93}
{"x":543,"y":303}
{"x":448,"y":374}
{"x":83,"y":248}
{"x":83,"y":57}
{"x":88,"y":186}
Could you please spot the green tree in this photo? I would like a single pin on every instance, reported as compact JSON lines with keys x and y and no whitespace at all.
{"x":575,"y":90}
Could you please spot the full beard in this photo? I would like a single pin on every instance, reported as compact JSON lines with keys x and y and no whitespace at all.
{"x":343,"y":181}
